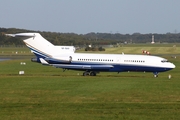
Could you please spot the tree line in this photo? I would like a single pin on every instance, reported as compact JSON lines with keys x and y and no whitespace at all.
{"x":89,"y":38}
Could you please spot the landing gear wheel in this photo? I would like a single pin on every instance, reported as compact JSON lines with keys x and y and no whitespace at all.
{"x":85,"y":73}
{"x":155,"y":76}
{"x":92,"y":74}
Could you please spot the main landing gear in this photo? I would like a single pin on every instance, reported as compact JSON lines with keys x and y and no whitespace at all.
{"x":91,"y":73}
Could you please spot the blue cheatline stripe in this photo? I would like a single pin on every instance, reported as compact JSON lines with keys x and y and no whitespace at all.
{"x":122,"y":67}
{"x":38,"y":55}
{"x":37,"y":52}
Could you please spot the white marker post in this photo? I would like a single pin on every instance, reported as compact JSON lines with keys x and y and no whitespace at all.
{"x":169,"y":76}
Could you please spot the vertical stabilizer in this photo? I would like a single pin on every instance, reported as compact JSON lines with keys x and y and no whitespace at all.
{"x":38,"y":45}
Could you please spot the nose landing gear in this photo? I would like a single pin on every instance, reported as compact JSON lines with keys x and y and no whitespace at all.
{"x":155,"y":74}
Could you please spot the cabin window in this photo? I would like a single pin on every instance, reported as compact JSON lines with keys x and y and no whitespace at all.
{"x":80,"y":59}
{"x":133,"y":61}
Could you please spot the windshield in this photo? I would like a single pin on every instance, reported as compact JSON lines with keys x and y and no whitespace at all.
{"x":163,"y":61}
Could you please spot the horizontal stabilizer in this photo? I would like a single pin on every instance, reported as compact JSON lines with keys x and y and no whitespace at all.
{"x":22,"y":35}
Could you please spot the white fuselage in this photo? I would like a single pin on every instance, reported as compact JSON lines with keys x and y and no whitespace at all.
{"x":125,"y":62}
{"x":66,"y":58}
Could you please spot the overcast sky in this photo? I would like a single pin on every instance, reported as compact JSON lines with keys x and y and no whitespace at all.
{"x":84,"y":16}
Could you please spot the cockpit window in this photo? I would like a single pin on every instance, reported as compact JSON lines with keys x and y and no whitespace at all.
{"x":163,"y":61}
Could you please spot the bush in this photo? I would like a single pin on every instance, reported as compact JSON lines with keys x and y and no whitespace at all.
{"x":101,"y":49}
{"x":94,"y":49}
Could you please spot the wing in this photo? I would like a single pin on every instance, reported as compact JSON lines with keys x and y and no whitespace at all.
{"x":82,"y":67}
{"x":78,"y":67}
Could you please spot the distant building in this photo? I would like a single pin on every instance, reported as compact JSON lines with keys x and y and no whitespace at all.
{"x":152,"y":39}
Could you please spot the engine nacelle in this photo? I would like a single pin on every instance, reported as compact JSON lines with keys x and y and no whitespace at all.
{"x":59,"y":60}
{"x":34,"y":60}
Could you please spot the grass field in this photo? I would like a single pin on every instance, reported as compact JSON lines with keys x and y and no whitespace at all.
{"x":44,"y":92}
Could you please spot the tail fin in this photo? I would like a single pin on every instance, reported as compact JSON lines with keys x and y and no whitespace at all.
{"x":41,"y":47}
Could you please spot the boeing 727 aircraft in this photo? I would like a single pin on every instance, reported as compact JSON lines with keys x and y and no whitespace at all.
{"x":66,"y":58}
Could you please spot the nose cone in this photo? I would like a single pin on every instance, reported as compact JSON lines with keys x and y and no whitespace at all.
{"x":172,"y":65}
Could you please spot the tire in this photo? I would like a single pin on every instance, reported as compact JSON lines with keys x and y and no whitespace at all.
{"x":92,"y":74}
{"x":85,"y":73}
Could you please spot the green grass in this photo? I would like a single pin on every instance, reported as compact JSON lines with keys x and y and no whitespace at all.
{"x":45,"y":92}
{"x":77,"y":97}
{"x":12,"y":51}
